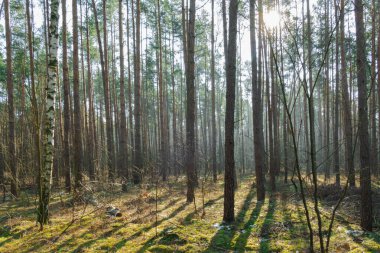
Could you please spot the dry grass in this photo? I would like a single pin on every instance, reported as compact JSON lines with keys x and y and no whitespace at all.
{"x":276,"y":225}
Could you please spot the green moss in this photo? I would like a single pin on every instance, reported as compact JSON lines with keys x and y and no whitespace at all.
{"x":163,"y":249}
{"x":276,"y":225}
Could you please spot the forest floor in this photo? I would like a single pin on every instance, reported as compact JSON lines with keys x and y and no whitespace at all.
{"x":276,"y":225}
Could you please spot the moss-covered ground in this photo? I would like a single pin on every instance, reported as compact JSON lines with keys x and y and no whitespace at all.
{"x":276,"y":225}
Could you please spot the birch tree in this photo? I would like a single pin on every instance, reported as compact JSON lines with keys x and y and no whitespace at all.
{"x":48,"y":135}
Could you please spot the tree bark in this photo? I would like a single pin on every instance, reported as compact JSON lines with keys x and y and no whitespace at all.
{"x":174,"y":108}
{"x":190,"y":109}
{"x":337,"y":103}
{"x":66,"y":100}
{"x":305,"y":111}
{"x":90,"y":93}
{"x":78,"y":156}
{"x":36,"y":123}
{"x":12,"y":161}
{"x":326,"y":94}
{"x":213,"y":119}
{"x":130,"y":111}
{"x":123,"y":151}
{"x":272,"y":166}
{"x":225,"y":32}
{"x":138,"y":159}
{"x":365,"y":172}
{"x":107,"y":101}
{"x":84,"y":125}
{"x":163,"y":122}
{"x":229,"y":184}
{"x":374,"y":154}
{"x":48,"y":144}
{"x":347,"y":116}
{"x":258,"y":136}
{"x":104,"y":67}
{"x":377,"y":170}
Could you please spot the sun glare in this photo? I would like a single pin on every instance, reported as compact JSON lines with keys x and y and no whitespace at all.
{"x":272,"y":19}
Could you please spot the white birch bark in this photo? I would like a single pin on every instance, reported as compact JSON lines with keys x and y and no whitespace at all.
{"x":48,"y":135}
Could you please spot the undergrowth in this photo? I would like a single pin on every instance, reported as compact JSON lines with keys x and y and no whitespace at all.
{"x":276,"y":225}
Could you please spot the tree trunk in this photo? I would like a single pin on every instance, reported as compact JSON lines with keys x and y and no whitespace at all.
{"x":66,"y":100}
{"x":114,"y":105}
{"x":347,"y":116}
{"x":107,"y":101}
{"x":326,"y":94}
{"x":77,"y":164}
{"x":184,"y":33}
{"x":258,"y":136}
{"x":337,"y":103}
{"x":305,"y":111}
{"x":36,"y":122}
{"x":374,"y":154}
{"x":84,"y":125}
{"x":12,"y":161}
{"x":23,"y":128}
{"x":90,"y":93}
{"x":365,"y":173}
{"x":174,"y":109}
{"x":163,"y":123}
{"x":272,"y":166}
{"x":377,"y":169}
{"x":48,"y":144}
{"x":123,"y":151}
{"x":104,"y":66}
{"x":213,"y":119}
{"x":138,"y":159}
{"x":275,"y":115}
{"x":229,"y":184}
{"x":130,"y":111}
{"x":190,"y":109}
{"x":225,"y":32}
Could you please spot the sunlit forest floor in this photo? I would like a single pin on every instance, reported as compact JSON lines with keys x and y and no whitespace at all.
{"x":276,"y":225}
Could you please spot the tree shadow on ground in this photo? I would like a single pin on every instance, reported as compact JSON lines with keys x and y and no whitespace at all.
{"x":14,"y":236}
{"x":122,"y":242}
{"x":187,"y":221}
{"x":170,"y":204}
{"x":242,"y":240}
{"x":112,"y":231}
{"x":222,"y":240}
{"x":23,"y":208}
{"x":265,"y":229}
{"x":347,"y":222}
{"x":288,"y":221}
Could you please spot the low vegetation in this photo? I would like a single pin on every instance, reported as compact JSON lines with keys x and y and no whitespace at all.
{"x":275,"y":225}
